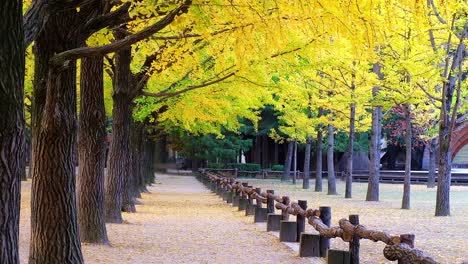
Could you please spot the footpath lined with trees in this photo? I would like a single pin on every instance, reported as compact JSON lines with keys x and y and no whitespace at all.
{"x":74,"y":73}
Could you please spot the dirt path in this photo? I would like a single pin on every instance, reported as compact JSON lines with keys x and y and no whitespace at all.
{"x":179,"y":222}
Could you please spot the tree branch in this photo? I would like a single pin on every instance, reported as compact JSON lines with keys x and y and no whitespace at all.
{"x":111,"y":19}
{"x":428,"y":94}
{"x":436,"y":13}
{"x":163,"y":95}
{"x":73,"y":54}
{"x":38,"y":13}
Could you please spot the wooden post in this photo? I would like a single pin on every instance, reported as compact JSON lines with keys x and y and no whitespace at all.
{"x":250,"y":208}
{"x":407,"y":239}
{"x":285,"y":213}
{"x":300,"y":219}
{"x":270,"y":203}
{"x":259,"y":201}
{"x":235,"y":172}
{"x":325,"y":216}
{"x":243,"y":195}
{"x":354,"y":244}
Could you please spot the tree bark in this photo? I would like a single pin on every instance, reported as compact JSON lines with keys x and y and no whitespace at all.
{"x":54,"y":225}
{"x":374,"y":164}
{"x":137,"y":158}
{"x":149,"y":166}
{"x":276,"y":154}
{"x":258,"y":149}
{"x":12,"y":134}
{"x":318,"y":166}
{"x":92,"y":152}
{"x":406,"y":201}
{"x":374,"y":152}
{"x":431,"y":169}
{"x":446,"y":124}
{"x":306,"y":180}
{"x":330,"y":162}
{"x":288,"y":161}
{"x":295,"y":162}
{"x":119,"y":160}
{"x":349,"y":174}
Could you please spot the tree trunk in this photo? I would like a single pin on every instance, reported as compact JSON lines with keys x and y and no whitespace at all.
{"x":137,"y":158}
{"x":318,"y":165}
{"x":295,"y":162}
{"x":265,"y":159}
{"x":92,"y":152}
{"x":12,"y":134}
{"x":306,"y":180}
{"x":445,"y":173}
{"x":446,"y":124}
{"x":406,"y":204}
{"x":374,"y":152}
{"x":288,"y":161}
{"x":119,"y":152}
{"x":258,"y":150}
{"x":54,"y":225}
{"x":374,"y":164}
{"x":349,"y":174}
{"x":149,"y":167}
{"x":330,"y":162}
{"x":276,"y":154}
{"x":128,"y":202}
{"x":431,"y":169}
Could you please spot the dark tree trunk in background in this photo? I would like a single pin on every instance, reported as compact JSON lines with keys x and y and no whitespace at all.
{"x":374,"y":165}
{"x":295,"y":162}
{"x":265,"y":160}
{"x":432,"y":161}
{"x":306,"y":180}
{"x":129,"y":187}
{"x":276,"y":154}
{"x":406,"y":201}
{"x":288,"y":161}
{"x":258,"y":149}
{"x":11,"y":126}
{"x":330,"y":161}
{"x":119,"y":158}
{"x":149,"y":162}
{"x":349,"y":174}
{"x":318,"y":165}
{"x":92,"y":152}
{"x":137,"y":159}
{"x":54,"y":224}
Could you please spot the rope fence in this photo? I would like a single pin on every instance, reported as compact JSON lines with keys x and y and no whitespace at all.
{"x":397,"y":247}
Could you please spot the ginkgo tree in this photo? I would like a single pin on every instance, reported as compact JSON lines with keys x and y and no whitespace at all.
{"x":407,"y":62}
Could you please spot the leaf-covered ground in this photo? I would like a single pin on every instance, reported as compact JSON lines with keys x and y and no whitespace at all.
{"x":178,"y":222}
{"x":444,"y":238}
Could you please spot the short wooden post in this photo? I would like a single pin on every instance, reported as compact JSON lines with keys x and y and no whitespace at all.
{"x":309,"y":245}
{"x":407,"y":239}
{"x":258,"y":200}
{"x":250,"y":209}
{"x":354,"y":244}
{"x":243,"y":201}
{"x":236,"y":197}
{"x":270,"y":203}
{"x":288,"y":231}
{"x":338,"y":257}
{"x":300,"y":219}
{"x":285,"y":213}
{"x":325,"y":216}
{"x":235,"y":172}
